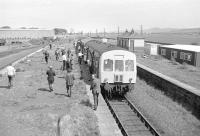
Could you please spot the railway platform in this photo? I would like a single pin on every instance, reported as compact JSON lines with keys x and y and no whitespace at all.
{"x":106,"y":122}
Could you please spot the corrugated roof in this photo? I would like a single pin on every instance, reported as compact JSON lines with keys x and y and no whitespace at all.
{"x":193,"y":48}
{"x":101,"y":47}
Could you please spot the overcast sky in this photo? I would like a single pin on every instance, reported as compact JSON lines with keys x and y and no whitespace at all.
{"x":89,"y":15}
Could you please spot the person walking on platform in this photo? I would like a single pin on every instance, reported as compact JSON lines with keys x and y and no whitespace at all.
{"x":68,"y":66}
{"x":71,"y":59}
{"x":46,"y":56}
{"x":68,"y":53}
{"x":57,"y":54}
{"x":69,"y":78}
{"x":80,"y":55}
{"x":95,"y":87}
{"x":50,"y":46}
{"x":10,"y":71}
{"x":64,"y":59}
{"x":50,"y":77}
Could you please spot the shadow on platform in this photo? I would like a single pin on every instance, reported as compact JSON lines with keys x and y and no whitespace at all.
{"x":44,"y":89}
{"x":61,"y":94}
{"x":7,"y":87}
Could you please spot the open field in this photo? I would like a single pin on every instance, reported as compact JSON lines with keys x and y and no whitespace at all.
{"x":30,"y":109}
{"x":174,"y":38}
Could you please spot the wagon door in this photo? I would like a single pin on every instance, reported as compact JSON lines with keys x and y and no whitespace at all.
{"x":118,"y":68}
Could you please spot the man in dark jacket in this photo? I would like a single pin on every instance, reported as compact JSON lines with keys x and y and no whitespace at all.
{"x":95,"y":87}
{"x":69,"y":78}
{"x":50,"y":73}
{"x":46,"y":56}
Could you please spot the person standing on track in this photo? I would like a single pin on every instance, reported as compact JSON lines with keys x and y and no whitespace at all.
{"x":50,"y":77}
{"x":10,"y":71}
{"x":95,"y":87}
{"x":69,"y":78}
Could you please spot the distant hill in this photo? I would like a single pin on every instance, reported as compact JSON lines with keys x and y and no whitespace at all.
{"x":187,"y":31}
{"x":174,"y":30}
{"x":159,"y":30}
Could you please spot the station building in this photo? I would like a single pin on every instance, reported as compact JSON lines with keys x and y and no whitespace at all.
{"x":189,"y":54}
{"x":19,"y":35}
{"x":130,"y":41}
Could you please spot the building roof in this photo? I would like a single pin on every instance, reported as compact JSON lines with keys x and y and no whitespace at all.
{"x":101,"y":47}
{"x":193,"y":48}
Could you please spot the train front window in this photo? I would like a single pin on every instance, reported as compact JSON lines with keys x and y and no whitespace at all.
{"x":108,"y":65}
{"x":129,"y":65}
{"x":119,"y":65}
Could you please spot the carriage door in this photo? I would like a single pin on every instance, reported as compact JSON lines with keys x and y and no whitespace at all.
{"x":119,"y":68}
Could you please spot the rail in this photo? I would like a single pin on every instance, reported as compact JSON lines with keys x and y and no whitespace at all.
{"x":140,"y":116}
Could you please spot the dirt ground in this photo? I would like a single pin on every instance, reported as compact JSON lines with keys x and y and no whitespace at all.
{"x":29,"y":109}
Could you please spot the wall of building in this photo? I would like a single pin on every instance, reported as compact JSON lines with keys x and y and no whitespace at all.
{"x":123,"y":42}
{"x":138,"y":42}
{"x":197,"y":59}
{"x":151,"y":48}
{"x":25,"y":34}
{"x":182,"y":55}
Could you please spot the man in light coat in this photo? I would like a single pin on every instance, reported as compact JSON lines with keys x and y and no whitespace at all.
{"x":10,"y":70}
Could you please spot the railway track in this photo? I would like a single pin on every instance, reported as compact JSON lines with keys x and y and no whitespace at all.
{"x":129,"y":119}
{"x":17,"y":56}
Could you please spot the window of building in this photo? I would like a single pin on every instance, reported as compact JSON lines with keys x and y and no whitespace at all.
{"x":129,"y":65}
{"x":173,"y":54}
{"x":182,"y":55}
{"x":188,"y":56}
{"x":119,"y":65}
{"x":163,"y":52}
{"x":108,"y":65}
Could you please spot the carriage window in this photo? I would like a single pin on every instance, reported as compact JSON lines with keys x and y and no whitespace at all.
{"x":108,"y":65}
{"x":119,"y":66}
{"x":129,"y":65}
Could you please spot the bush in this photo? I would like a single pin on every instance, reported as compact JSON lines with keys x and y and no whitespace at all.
{"x":173,"y":61}
{"x":183,"y":66}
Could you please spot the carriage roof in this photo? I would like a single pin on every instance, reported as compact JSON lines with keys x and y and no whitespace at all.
{"x":101,"y":47}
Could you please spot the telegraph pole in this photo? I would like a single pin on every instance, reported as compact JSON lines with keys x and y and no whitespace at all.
{"x":104,"y":33}
{"x":96,"y":31}
{"x":141,"y":30}
{"x":118,"y":30}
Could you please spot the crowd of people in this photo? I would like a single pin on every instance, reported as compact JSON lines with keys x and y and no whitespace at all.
{"x":67,"y":59}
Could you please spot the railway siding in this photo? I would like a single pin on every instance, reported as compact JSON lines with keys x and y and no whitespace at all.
{"x":184,"y":94}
